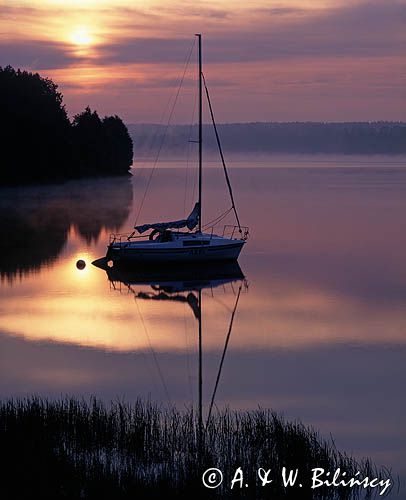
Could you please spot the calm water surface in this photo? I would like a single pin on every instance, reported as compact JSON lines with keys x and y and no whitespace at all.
{"x":319,"y":332}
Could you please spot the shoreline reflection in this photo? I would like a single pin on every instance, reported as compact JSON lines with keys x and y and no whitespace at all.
{"x":37,"y":220}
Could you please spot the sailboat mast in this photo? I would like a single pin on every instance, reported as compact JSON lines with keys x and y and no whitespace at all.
{"x":199,"y":36}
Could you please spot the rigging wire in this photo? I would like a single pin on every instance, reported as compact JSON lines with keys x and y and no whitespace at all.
{"x":218,"y":301}
{"x":142,"y":353}
{"x":165,"y":132}
{"x":221,"y":154}
{"x":153,"y":353}
{"x":218,"y":219}
{"x":223,"y":355}
{"x":138,"y":173}
{"x":188,"y":155}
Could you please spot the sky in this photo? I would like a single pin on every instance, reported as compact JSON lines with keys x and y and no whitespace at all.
{"x":264,"y":60}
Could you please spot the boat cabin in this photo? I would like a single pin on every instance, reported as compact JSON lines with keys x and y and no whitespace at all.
{"x":188,"y":239}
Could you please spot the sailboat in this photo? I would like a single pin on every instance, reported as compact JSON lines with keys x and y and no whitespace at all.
{"x":183,"y":240}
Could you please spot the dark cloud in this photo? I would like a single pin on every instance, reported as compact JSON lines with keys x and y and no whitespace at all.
{"x":281,"y":11}
{"x":37,"y":55}
{"x":370,"y":29}
{"x":366,"y":29}
{"x":144,"y":50}
{"x":202,"y":12}
{"x":11,"y":11}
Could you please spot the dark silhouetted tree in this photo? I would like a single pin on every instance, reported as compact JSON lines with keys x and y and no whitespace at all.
{"x":40,"y":144}
{"x":101,"y":147}
{"x":88,"y":142}
{"x":118,"y":144}
{"x":35,"y":128}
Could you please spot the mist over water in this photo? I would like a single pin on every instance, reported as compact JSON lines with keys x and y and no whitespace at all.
{"x":319,"y":332}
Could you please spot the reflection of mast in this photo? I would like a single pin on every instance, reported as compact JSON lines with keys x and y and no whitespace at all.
{"x":200,"y":437}
{"x":184,"y":286}
{"x":195,"y":302}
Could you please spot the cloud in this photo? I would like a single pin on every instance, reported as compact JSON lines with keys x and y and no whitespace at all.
{"x":144,"y":50}
{"x":38,"y":54}
{"x":336,"y":60}
{"x":366,"y":29}
{"x":190,"y":9}
{"x":369,"y":29}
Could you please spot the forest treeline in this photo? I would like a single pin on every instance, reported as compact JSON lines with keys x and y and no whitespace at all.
{"x":41,"y":144}
{"x":275,"y":137}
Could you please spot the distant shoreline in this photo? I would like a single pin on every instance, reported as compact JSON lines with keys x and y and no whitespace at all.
{"x":253,"y":161}
{"x":305,"y":122}
{"x":264,"y":138}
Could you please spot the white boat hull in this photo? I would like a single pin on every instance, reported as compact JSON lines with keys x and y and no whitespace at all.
{"x":216,"y":249}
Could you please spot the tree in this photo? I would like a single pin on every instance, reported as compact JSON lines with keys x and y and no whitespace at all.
{"x":88,"y":143}
{"x":101,"y":147}
{"x":118,"y":145}
{"x":40,"y":144}
{"x":35,"y":127}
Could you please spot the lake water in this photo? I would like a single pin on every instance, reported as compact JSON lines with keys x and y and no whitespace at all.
{"x":319,"y":331}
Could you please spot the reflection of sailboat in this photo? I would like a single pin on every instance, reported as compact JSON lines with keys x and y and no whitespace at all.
{"x":184,"y":286}
{"x":166,"y":242}
{"x":188,"y":277}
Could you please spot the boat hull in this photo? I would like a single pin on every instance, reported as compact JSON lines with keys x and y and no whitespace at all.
{"x":214,"y":253}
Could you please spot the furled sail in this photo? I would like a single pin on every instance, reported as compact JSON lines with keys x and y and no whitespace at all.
{"x":191,"y":222}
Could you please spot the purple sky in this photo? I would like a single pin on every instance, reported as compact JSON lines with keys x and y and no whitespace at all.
{"x":265,"y":61}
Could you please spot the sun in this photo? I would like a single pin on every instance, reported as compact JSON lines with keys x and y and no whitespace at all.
{"x":81,"y":37}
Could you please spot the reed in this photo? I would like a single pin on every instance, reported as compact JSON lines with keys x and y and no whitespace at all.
{"x":72,"y":448}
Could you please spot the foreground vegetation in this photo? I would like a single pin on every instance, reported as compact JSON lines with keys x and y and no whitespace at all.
{"x":76,"y":449}
{"x":40,"y":143}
